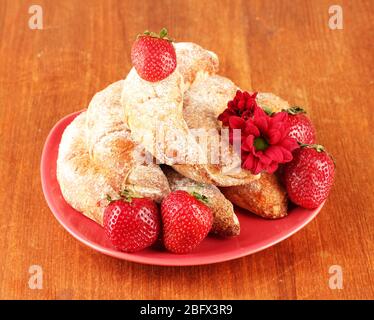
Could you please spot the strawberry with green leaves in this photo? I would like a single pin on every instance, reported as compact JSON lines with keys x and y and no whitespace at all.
{"x":186,"y":221}
{"x":308,"y":178}
{"x":131,"y":223}
{"x":301,"y":128}
{"x":153,"y":56}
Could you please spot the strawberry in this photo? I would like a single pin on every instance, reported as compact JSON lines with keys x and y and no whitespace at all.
{"x":153,"y":56}
{"x":186,"y":221}
{"x":131,"y":224}
{"x":301,"y":128}
{"x":308,"y":178}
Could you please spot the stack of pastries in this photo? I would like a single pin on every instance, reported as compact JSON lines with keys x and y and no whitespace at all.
{"x":100,"y":151}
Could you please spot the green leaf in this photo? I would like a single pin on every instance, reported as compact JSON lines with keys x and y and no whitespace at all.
{"x":295,"y":110}
{"x":163,"y":33}
{"x":268,"y":111}
{"x":317,"y":147}
{"x":128,"y":195}
{"x":204,"y":199}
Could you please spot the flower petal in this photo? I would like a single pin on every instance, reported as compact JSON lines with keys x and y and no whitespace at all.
{"x":257,"y":167}
{"x":274,"y":153}
{"x":259,"y":112}
{"x":280,"y":117}
{"x":251,"y":129}
{"x":247,"y":144}
{"x":261,"y":123}
{"x":264,"y":159}
{"x":274,"y":136}
{"x":272,"y":167}
{"x":241,"y":105}
{"x":287,"y":155}
{"x":248,"y":162}
{"x":236,"y":122}
{"x":289,"y":144}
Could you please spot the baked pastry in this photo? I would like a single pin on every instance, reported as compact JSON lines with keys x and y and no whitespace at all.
{"x":111,"y":147}
{"x":154,"y":115}
{"x":101,"y":148}
{"x":82,"y":182}
{"x":95,"y":159}
{"x":265,"y":197}
{"x":203,"y":102}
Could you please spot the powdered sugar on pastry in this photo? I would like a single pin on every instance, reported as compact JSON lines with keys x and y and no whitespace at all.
{"x":96,"y":158}
{"x":154,"y":114}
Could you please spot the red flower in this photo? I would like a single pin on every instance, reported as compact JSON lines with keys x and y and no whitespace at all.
{"x":264,"y":139}
{"x":242,"y":106}
{"x":266,"y":143}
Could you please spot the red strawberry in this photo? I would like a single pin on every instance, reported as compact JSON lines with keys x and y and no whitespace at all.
{"x":153,"y":56}
{"x":186,"y":221}
{"x":301,"y":128}
{"x":132,"y":224}
{"x":308,"y":178}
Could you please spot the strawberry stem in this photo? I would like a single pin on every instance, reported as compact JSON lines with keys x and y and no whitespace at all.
{"x":294,"y":110}
{"x":317,"y":147}
{"x":268,"y":111}
{"x":128,"y":195}
{"x":163,"y":34}
{"x":200,"y":197}
{"x":125,"y":195}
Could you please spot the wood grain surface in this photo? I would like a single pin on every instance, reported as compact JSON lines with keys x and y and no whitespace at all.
{"x":285,"y":47}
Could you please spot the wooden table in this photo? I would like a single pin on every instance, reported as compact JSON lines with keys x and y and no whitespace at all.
{"x":285,"y":47}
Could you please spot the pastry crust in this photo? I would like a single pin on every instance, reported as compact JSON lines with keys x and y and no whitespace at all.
{"x":110,"y":145}
{"x":264,"y":197}
{"x":271,"y":101}
{"x":225,"y":221}
{"x":82,"y":182}
{"x":98,"y":154}
{"x":194,"y":62}
{"x":154,"y":114}
{"x":202,"y":105}
{"x":95,"y":159}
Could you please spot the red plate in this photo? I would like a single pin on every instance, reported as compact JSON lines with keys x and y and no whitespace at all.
{"x":256,"y":233}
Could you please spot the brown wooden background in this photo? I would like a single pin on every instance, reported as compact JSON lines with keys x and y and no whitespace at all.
{"x":281,"y":46}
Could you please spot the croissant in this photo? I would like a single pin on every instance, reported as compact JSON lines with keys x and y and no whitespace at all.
{"x":95,"y":159}
{"x":110,"y":146}
{"x":264,"y":197}
{"x":98,"y":150}
{"x":82,"y":182}
{"x":154,"y":115}
{"x":203,"y":103}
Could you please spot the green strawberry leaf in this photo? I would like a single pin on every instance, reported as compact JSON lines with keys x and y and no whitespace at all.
{"x":128,"y":195}
{"x":204,"y":199}
{"x":268,"y":111}
{"x":163,"y":33}
{"x":294,"y":110}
